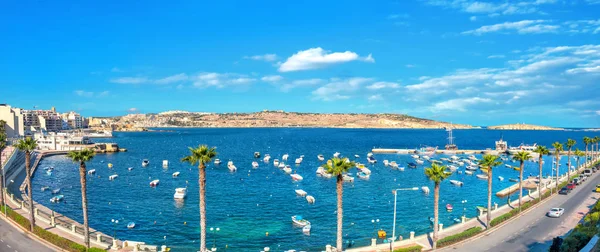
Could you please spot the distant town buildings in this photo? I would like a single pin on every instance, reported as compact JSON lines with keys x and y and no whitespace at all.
{"x":22,"y":122}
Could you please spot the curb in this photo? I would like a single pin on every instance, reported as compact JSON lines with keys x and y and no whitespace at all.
{"x":31,"y":235}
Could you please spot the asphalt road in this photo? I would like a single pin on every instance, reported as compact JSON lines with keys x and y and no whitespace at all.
{"x":13,"y":240}
{"x":534,"y":231}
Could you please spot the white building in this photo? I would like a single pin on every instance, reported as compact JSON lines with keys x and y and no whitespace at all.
{"x":13,"y":117}
{"x":74,"y":120}
{"x":61,"y":141}
{"x":41,"y":120}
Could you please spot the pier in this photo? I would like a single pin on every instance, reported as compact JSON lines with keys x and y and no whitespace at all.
{"x":529,"y":184}
{"x":446,"y":152}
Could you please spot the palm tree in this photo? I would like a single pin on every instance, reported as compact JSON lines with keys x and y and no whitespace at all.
{"x":81,"y":157}
{"x":437,"y":174}
{"x":558,"y":147}
{"x":587,"y":141}
{"x":570,"y":143}
{"x":487,"y":163}
{"x":201,"y":156}
{"x":596,"y":140}
{"x":541,"y":151}
{"x":337,"y":167}
{"x":521,"y":156}
{"x":2,"y":146}
{"x":28,"y":145}
{"x":578,"y":154}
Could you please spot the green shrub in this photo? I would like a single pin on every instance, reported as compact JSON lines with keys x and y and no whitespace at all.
{"x":574,"y":242}
{"x":415,"y":248}
{"x":449,"y":240}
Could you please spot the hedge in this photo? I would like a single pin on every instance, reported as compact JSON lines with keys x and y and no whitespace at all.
{"x":449,"y":240}
{"x":49,"y":236}
{"x":415,"y":248}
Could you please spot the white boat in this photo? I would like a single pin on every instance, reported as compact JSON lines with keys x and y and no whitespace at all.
{"x":454,"y":157}
{"x":426,"y":157}
{"x":131,"y":225}
{"x":285,"y":157}
{"x":298,"y":160}
{"x":461,"y":163}
{"x":175,"y":174}
{"x":321,"y":172}
{"x":165,"y":163}
{"x":281,"y":165}
{"x":336,"y":154}
{"x":386,"y":162}
{"x":231,"y":167}
{"x":500,"y":178}
{"x":180,"y":193}
{"x":415,"y":156}
{"x":56,"y":191}
{"x":145,"y":162}
{"x":507,"y":166}
{"x":425,"y":189}
{"x":299,"y":221}
{"x":445,"y":159}
{"x":310,"y":199}
{"x":320,"y":157}
{"x":468,"y":172}
{"x":482,"y":176}
{"x":113,"y":177}
{"x":296,"y":177}
{"x":267,"y":158}
{"x":472,"y":168}
{"x":44,"y":188}
{"x":306,"y":229}
{"x":276,"y":162}
{"x":300,"y":192}
{"x":456,"y":182}
{"x":419,"y":161}
{"x":356,"y":156}
{"x":217,"y":161}
{"x":393,"y":164}
{"x":254,"y":164}
{"x":256,"y":154}
{"x":366,"y":171}
{"x":57,"y":198}
{"x":92,"y":171}
{"x":154,"y":183}
{"x":371,"y":160}
{"x":363,"y":175}
{"x":287,"y":169}
{"x":130,"y":168}
{"x":348,"y":178}
{"x":401,"y":168}
{"x":471,"y":157}
{"x":452,"y":168}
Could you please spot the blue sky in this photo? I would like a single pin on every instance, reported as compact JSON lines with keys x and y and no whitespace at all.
{"x":475,"y":62}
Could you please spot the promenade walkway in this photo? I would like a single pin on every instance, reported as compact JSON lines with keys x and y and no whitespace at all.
{"x":425,"y":240}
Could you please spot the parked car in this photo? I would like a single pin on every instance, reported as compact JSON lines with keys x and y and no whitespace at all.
{"x":587,"y":172}
{"x":571,"y":186}
{"x":556,"y":212}
{"x":577,"y":181}
{"x":566,"y":190}
{"x":582,"y":178}
{"x":598,"y":188}
{"x":594,"y":169}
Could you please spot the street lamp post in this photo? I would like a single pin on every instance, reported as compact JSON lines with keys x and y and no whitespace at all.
{"x":464,"y":208}
{"x":395,"y":201}
{"x":374,"y":228}
{"x":215,"y":230}
{"x":115,"y":222}
{"x":4,"y":186}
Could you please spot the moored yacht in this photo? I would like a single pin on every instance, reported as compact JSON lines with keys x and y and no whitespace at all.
{"x":254,"y":164}
{"x":320,"y":157}
{"x":145,"y":162}
{"x":231,"y":167}
{"x":180,"y":193}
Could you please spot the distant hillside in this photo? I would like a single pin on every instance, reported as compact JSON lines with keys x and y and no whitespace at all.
{"x":522,"y":126}
{"x":281,"y":119}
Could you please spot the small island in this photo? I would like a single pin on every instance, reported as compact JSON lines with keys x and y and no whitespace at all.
{"x":522,"y":126}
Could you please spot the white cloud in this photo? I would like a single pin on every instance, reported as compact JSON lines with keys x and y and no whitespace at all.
{"x":129,"y":80}
{"x":301,"y":83}
{"x":315,"y":58}
{"x":272,"y":78}
{"x":460,"y":104}
{"x":409,"y":65}
{"x":397,"y":16}
{"x":521,"y":27}
{"x":132,"y":110}
{"x":173,"y":78}
{"x":89,"y":94}
{"x":473,"y":18}
{"x":339,"y":89}
{"x":264,"y":57}
{"x":492,"y":8}
{"x":382,"y":85}
{"x":116,"y":70}
{"x":376,"y":97}
{"x":496,"y":56}
{"x":218,"y":80}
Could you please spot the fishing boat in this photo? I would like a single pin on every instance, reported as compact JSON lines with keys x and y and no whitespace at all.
{"x":386,"y":162}
{"x":508,"y":166}
{"x":460,"y":163}
{"x":296,"y":177}
{"x":217,"y":161}
{"x":275,"y":162}
{"x":500,"y":178}
{"x":348,"y":178}
{"x":401,"y":168}
{"x":49,"y":172}
{"x":366,"y":171}
{"x":359,"y":165}
{"x":130,"y":168}
{"x":362,"y":175}
{"x":456,"y":182}
{"x":453,"y":157}
{"x":468,"y":172}
{"x":450,"y":145}
{"x":299,"y":221}
{"x":412,"y":165}
{"x":356,"y":156}
{"x":298,"y":160}
{"x":472,"y":157}
{"x":306,"y":229}
{"x":257,"y":154}
{"x":154,"y":183}
{"x":393,"y":164}
{"x":56,"y":191}
{"x":44,"y":188}
{"x":145,"y":162}
{"x":415,"y":156}
{"x":482,"y":176}
{"x":57,"y":198}
{"x":371,"y":159}
{"x":231,"y":167}
{"x":513,"y":179}
{"x":445,"y":159}
{"x":267,"y":158}
{"x":436,"y":161}
{"x":165,"y":163}
{"x":285,"y":157}
{"x":110,"y":165}
{"x":472,"y":168}
{"x":322,"y":173}
{"x":254,"y":164}
{"x":287,"y":169}
{"x":425,"y":189}
{"x":336,"y":154}
{"x":300,"y":192}
{"x":175,"y":174}
{"x":320,"y":157}
{"x":180,"y":193}
{"x":281,"y":165}
{"x":113,"y":177}
{"x":452,"y":168}
{"x":419,"y":161}
{"x":449,"y":207}
{"x":130,"y":225}
{"x":426,"y":157}
{"x":310,"y":199}
{"x":92,"y":171}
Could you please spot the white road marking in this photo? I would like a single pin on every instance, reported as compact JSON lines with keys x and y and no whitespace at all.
{"x":1,"y":240}
{"x":8,"y":246}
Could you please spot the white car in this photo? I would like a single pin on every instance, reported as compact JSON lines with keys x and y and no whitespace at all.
{"x":556,"y":212}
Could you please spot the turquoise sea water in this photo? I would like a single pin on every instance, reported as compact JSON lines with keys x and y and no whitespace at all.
{"x":247,"y":204}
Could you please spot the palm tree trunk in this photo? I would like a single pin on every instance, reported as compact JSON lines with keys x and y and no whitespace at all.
{"x":83,"y":181}
{"x":202,"y":182}
{"x":540,"y":179}
{"x":489,"y":206}
{"x":1,"y":182}
{"x":569,"y":165}
{"x":586,"y":153}
{"x":521,"y":183}
{"x":30,"y":200}
{"x":436,"y":205}
{"x":340,"y":208}
{"x":557,"y":171}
